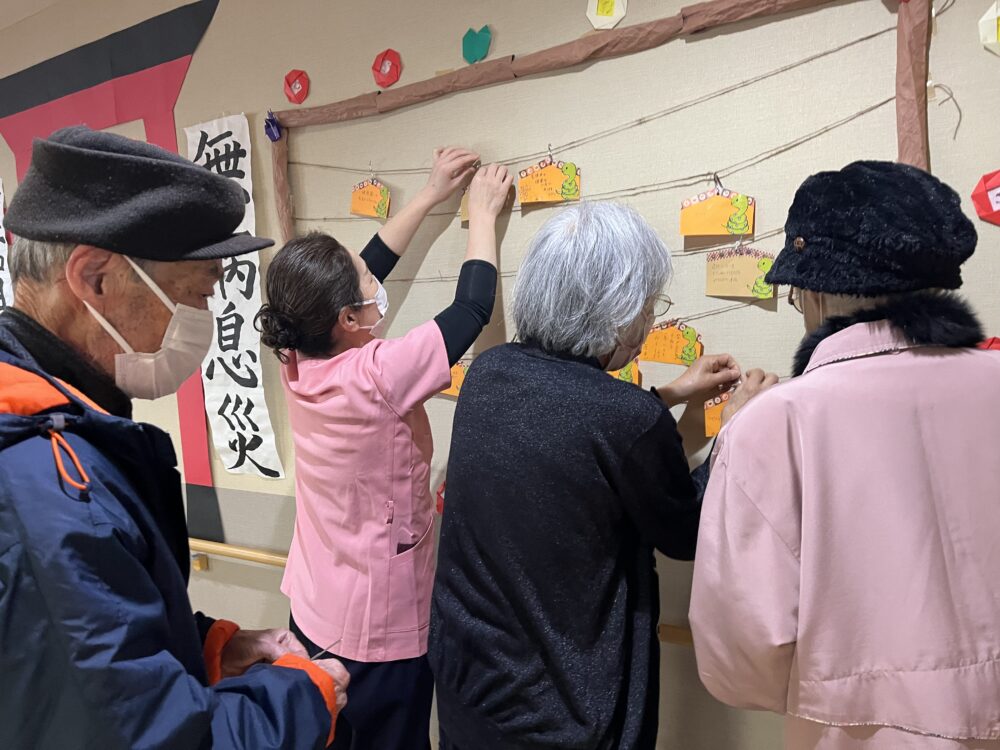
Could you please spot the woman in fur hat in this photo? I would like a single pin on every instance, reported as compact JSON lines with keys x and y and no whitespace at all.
{"x":847,"y":557}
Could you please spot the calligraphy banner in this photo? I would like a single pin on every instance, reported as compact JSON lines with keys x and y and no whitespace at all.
{"x":232,"y":372}
{"x":6,"y":288}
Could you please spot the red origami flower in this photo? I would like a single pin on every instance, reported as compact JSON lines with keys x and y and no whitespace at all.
{"x":296,"y":86}
{"x":387,"y":68}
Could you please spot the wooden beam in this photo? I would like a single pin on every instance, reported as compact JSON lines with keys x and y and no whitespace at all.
{"x":913,"y":39}
{"x":605,"y":45}
{"x":282,"y":190}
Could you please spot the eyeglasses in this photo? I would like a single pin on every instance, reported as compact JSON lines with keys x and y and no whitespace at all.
{"x":662,"y":305}
{"x":795,"y":298}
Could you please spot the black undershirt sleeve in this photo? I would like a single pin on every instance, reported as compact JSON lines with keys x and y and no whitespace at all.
{"x":379,"y":258}
{"x":463,"y":320}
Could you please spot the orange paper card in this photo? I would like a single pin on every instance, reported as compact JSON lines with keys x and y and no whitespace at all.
{"x":672,"y":344}
{"x":370,"y":198}
{"x":457,"y":379}
{"x":739,"y":272}
{"x":549,"y":182}
{"x":629,"y":373}
{"x":718,"y":212}
{"x":713,"y":414}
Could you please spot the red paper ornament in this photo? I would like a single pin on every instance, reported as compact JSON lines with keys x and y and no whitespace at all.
{"x":387,"y":68}
{"x":986,"y":198}
{"x":296,"y":86}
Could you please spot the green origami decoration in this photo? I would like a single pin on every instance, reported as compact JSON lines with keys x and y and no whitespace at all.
{"x":476,"y":44}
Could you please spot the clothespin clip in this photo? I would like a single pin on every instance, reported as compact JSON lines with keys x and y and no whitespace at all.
{"x":718,"y":182}
{"x":553,"y":161}
{"x":272,"y":128}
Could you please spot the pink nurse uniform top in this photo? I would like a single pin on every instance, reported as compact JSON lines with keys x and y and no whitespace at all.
{"x":361,"y":564}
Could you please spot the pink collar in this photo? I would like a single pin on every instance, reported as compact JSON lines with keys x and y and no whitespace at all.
{"x":857,"y":341}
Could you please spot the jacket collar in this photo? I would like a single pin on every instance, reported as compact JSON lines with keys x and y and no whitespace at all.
{"x":939,"y":319}
{"x":22,"y":337}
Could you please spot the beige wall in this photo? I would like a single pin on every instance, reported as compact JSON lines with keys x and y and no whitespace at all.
{"x":251,"y":44}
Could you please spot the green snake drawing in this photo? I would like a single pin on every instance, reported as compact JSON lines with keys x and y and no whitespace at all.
{"x":626,"y":373}
{"x":570,"y":190}
{"x":739,"y":223}
{"x":690,"y":352}
{"x":382,"y":209}
{"x":761,"y":289}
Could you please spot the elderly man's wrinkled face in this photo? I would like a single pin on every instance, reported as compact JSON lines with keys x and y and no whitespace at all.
{"x":143,"y":318}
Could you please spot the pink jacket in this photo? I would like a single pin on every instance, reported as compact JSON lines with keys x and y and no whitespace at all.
{"x":848,"y":564}
{"x":361,"y":564}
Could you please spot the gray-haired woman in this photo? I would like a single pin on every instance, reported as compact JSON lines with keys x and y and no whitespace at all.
{"x":561,"y":481}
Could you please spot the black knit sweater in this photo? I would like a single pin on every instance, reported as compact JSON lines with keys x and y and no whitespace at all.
{"x":561,"y":481}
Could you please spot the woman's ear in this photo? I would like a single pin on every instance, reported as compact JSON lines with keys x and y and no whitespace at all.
{"x":349,"y":320}
{"x":93,"y":274}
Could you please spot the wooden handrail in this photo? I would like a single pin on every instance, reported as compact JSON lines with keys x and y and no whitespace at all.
{"x":677,"y":635}
{"x":249,"y":554}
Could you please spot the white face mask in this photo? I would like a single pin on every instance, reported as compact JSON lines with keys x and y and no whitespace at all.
{"x":185,"y":344}
{"x":381,"y":301}
{"x":625,"y":352}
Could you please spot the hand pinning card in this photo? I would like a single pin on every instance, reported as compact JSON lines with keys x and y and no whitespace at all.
{"x":718,"y":212}
{"x":672,"y":344}
{"x":370,"y":198}
{"x":629,"y":373}
{"x":458,"y":372}
{"x":713,"y":414}
{"x":739,"y":272}
{"x":549,"y":182}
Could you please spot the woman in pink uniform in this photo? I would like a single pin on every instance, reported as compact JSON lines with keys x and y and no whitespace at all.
{"x":361,"y":565}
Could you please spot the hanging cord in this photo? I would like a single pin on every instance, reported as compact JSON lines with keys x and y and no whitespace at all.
{"x":945,"y":7}
{"x":688,"y":181}
{"x":949,"y":98}
{"x":639,"y":121}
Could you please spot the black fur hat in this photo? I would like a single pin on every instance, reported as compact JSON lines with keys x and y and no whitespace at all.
{"x":874,"y":228}
{"x":130,"y":197}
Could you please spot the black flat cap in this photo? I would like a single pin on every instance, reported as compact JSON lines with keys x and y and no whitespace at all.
{"x":874,"y":228}
{"x":130,"y":197}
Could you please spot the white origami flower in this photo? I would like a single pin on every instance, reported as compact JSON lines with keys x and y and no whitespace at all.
{"x":605,"y":14}
{"x":989,"y":29}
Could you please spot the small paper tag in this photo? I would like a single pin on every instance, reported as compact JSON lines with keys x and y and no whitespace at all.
{"x":672,"y":344}
{"x":713,"y":414}
{"x":629,"y":373}
{"x":458,"y":372}
{"x":370,"y":198}
{"x":549,"y":182}
{"x":717,"y":213}
{"x":463,"y":209}
{"x":739,"y":272}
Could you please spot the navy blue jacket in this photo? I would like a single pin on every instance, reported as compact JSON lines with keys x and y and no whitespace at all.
{"x":98,"y":644}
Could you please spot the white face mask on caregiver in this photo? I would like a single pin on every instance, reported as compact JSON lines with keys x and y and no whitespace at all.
{"x":185,"y":344}
{"x":381,"y":301}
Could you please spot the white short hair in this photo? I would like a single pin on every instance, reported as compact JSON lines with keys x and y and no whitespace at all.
{"x":37,"y":260}
{"x":588,"y":275}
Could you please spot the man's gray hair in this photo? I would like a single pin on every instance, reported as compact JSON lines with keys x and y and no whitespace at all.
{"x":589,"y":273}
{"x":37,"y":260}
{"x":41,"y":261}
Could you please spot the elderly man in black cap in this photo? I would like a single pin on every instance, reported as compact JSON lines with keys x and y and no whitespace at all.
{"x":118,"y":249}
{"x":847,"y":556}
